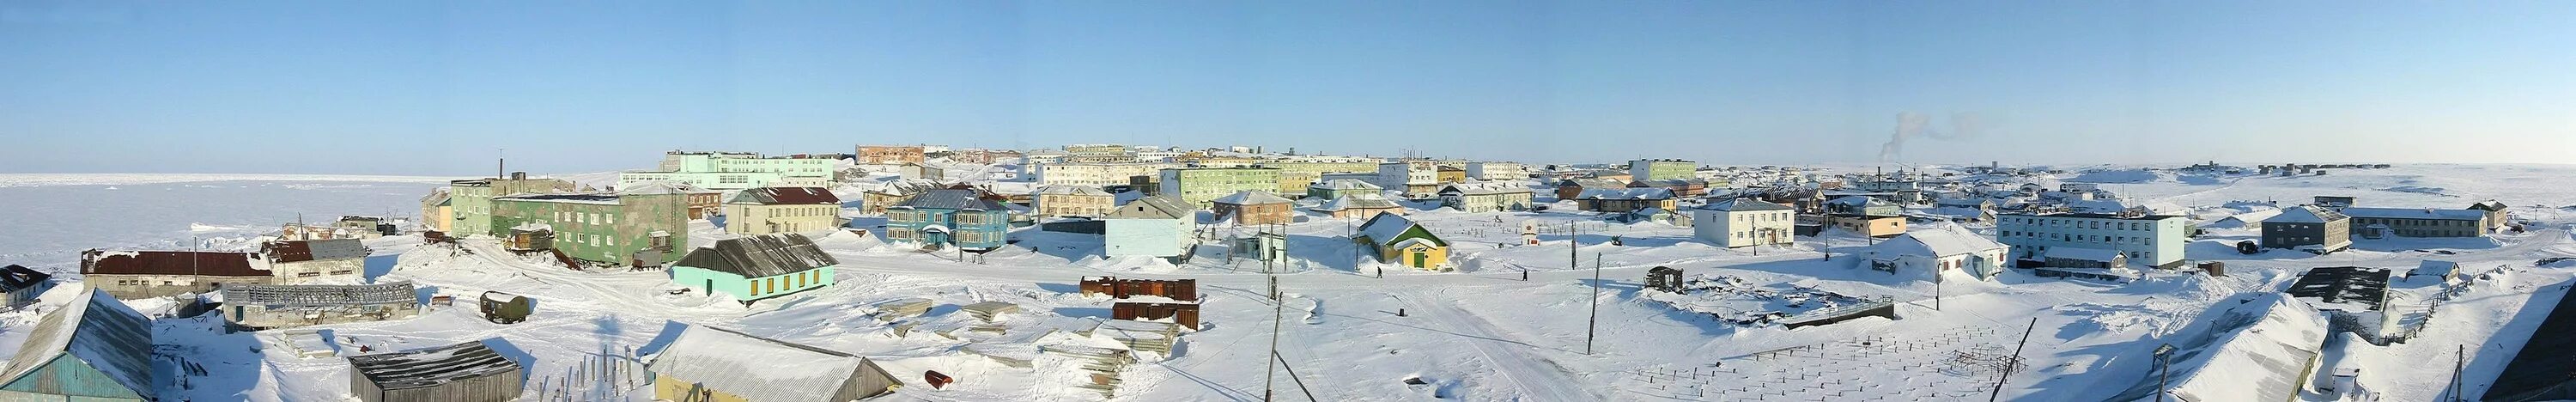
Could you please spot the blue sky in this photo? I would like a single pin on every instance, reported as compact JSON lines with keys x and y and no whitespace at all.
{"x":436,"y":87}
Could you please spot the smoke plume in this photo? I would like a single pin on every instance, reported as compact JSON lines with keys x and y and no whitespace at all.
{"x":1963,"y":126}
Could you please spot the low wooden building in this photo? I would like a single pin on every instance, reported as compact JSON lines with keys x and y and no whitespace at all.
{"x":1359,"y":205}
{"x":1398,"y":240}
{"x":1625,"y":199}
{"x":147,"y":274}
{"x":94,"y":349}
{"x":24,"y":284}
{"x":286,"y":306}
{"x":464,"y":372}
{"x":756,"y":267}
{"x":1251,"y":207}
{"x":710,"y":364}
{"x":1177,"y":289}
{"x":1185,"y":314}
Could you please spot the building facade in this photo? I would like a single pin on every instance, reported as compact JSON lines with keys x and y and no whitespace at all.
{"x":1659,"y":169}
{"x":889,"y":154}
{"x":1398,"y":240}
{"x":1624,"y":199}
{"x":1074,"y":201}
{"x":736,"y":171}
{"x":2373,"y":223}
{"x":892,"y":193}
{"x":2150,"y":240}
{"x":299,"y":262}
{"x":1093,"y":174}
{"x":1512,"y":171}
{"x":756,"y":267}
{"x":962,"y":218}
{"x":1337,"y":188}
{"x":638,"y":226}
{"x":1491,"y":196}
{"x":149,"y":274}
{"x":1148,"y":227}
{"x":2308,"y":225}
{"x":472,"y":200}
{"x":1197,"y":186}
{"x":1253,"y":207}
{"x":1412,"y":177}
{"x":782,"y":210}
{"x":1744,"y":222}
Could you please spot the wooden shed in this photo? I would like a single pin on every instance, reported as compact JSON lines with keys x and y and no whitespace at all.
{"x":1185,"y":314}
{"x":464,"y":372}
{"x":1178,"y":289}
{"x":93,"y":349}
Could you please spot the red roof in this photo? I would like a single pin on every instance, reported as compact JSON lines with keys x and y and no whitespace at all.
{"x":789,"y":195}
{"x":174,"y":263}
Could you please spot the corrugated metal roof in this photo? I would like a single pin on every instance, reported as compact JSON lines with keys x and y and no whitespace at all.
{"x":786,"y":195}
{"x":206,"y":263}
{"x":1946,"y":240}
{"x":1157,"y":207}
{"x":311,"y":250}
{"x":760,"y":256}
{"x":952,"y":199}
{"x":2304,"y":214}
{"x":2338,"y":285}
{"x":433,"y":366}
{"x":100,"y":331}
{"x":1250,"y":197}
{"x":16,"y":277}
{"x":758,"y":369}
{"x":320,"y":295}
{"x":1743,"y":205}
{"x":1359,"y":201}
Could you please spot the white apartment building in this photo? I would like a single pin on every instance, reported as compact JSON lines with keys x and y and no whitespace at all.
{"x":1094,"y":174}
{"x":2150,"y":240}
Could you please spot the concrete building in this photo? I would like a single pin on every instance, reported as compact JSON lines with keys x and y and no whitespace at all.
{"x":288,"y":306}
{"x":2149,"y":240}
{"x":2497,"y":218}
{"x":1744,"y":222}
{"x":1197,"y":186}
{"x":1412,"y":177}
{"x":2308,"y":225}
{"x":1086,"y":201}
{"x":472,"y":200}
{"x":1450,"y":174}
{"x":1658,"y":169}
{"x":1337,"y":188}
{"x":638,"y":226}
{"x":1624,"y":199}
{"x":756,"y":267}
{"x":962,"y":218}
{"x":1093,"y":174}
{"x":149,"y":274}
{"x":1570,"y":189}
{"x":463,"y":372}
{"x":892,"y":193}
{"x":2374,"y":223}
{"x":437,"y":212}
{"x":1490,"y":196}
{"x":735,"y":171}
{"x":889,"y":154}
{"x":782,"y":210}
{"x":1359,"y":205}
{"x":300,"y":262}
{"x":1251,"y":207}
{"x":1941,"y":249}
{"x":1149,"y":227}
{"x":1512,"y":171}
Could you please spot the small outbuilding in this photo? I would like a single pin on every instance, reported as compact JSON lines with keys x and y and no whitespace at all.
{"x":712,"y":364}
{"x":286,"y":306}
{"x":94,"y":349}
{"x":464,"y":372}
{"x":24,"y":284}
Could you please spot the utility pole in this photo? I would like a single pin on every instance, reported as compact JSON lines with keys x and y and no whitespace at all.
{"x":2459,"y":360}
{"x":2164,"y":369}
{"x":1270,"y":377}
{"x":2015,"y":362}
{"x":1592,"y":324}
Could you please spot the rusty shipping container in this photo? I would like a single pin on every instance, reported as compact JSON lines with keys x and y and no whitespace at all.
{"x":1186,"y":314}
{"x":1181,"y":289}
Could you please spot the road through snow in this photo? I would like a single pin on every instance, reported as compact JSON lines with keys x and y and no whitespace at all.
{"x":1538,"y":378}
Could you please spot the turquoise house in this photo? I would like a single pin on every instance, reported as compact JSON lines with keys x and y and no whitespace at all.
{"x":92,"y":350}
{"x":963,"y":218}
{"x":756,"y":267}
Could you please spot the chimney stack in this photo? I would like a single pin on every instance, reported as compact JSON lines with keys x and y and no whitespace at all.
{"x":518,"y":175}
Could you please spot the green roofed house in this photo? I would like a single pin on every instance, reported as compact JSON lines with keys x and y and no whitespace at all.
{"x":756,"y":267}
{"x":94,"y":349}
{"x":635,"y":226}
{"x":1398,"y":240}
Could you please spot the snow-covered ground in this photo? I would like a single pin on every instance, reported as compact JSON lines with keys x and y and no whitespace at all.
{"x":1481,"y":333}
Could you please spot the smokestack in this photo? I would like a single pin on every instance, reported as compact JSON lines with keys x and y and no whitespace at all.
{"x":518,"y":175}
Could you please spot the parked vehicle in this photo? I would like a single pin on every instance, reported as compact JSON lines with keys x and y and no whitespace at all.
{"x":505,"y":308}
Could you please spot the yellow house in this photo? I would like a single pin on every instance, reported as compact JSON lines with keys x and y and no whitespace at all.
{"x":1400,"y":241}
{"x":437,"y":212}
{"x":716,"y":365}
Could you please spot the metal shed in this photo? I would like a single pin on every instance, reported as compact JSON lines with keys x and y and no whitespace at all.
{"x":464,"y":372}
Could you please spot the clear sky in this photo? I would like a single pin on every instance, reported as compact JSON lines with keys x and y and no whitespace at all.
{"x":423,"y":87}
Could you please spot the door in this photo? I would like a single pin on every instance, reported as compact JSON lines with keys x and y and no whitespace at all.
{"x":1419,"y":258}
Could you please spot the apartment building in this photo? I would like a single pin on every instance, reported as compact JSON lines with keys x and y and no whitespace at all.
{"x":2150,"y":240}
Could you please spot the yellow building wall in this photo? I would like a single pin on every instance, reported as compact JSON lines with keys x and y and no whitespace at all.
{"x":1434,"y":256}
{"x":676,"y":390}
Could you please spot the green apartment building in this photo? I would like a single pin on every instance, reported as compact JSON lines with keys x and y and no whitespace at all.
{"x":1196,"y":186}
{"x":471,"y":200}
{"x":637,"y":226}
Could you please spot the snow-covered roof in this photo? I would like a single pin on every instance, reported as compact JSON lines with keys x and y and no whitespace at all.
{"x":1486,"y":187}
{"x":760,"y":256}
{"x":1250,"y":197}
{"x":1942,"y":241}
{"x":2249,"y":218}
{"x":100,"y":331}
{"x":2349,"y":288}
{"x":1384,"y":228}
{"x":2415,"y":213}
{"x":786,"y":195}
{"x":1155,"y":207}
{"x":533,"y":227}
{"x":952,"y":199}
{"x":1743,"y":205}
{"x":756,"y":368}
{"x":2435,"y":268}
{"x":2258,"y":350}
{"x":1071,"y":190}
{"x":2083,"y":254}
{"x":1346,"y":184}
{"x":1359,"y":201}
{"x":653,"y":188}
{"x":433,"y":366}
{"x":2304,"y":214}
{"x":1625,"y":193}
{"x":320,"y":295}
